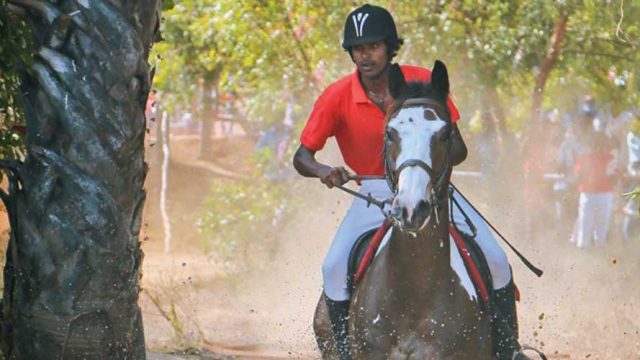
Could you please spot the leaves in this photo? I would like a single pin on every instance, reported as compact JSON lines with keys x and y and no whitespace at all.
{"x":635,"y":194}
{"x":266,"y":52}
{"x":244,"y":217}
{"x":258,"y":50}
{"x":15,"y":56}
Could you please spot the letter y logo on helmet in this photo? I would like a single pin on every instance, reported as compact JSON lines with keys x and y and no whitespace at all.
{"x":358,"y":22}
{"x":368,"y":24}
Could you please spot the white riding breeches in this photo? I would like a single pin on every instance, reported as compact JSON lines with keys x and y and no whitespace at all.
{"x":495,"y":255}
{"x":360,"y":218}
{"x":594,"y":216}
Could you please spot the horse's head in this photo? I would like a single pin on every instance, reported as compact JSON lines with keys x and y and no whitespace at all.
{"x":417,"y":146}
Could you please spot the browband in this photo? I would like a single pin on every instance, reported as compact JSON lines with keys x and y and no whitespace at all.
{"x":425,"y":101}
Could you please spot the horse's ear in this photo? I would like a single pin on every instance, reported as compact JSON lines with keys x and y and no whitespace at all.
{"x":440,"y":79}
{"x":397,"y":84}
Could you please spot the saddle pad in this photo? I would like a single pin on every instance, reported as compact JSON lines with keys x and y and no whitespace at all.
{"x":472,"y":264}
{"x":466,"y":260}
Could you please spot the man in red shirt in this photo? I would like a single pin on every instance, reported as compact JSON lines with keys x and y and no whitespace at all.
{"x":353,"y":109}
{"x":596,"y":171}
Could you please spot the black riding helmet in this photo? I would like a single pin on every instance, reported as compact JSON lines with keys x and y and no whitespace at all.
{"x":368,"y":24}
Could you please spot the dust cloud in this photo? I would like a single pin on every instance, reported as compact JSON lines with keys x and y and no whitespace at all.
{"x":584,"y":306}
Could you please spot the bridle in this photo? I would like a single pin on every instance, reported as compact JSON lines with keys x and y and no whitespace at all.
{"x":438,"y":190}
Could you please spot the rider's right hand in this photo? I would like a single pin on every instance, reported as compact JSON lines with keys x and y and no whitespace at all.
{"x":332,"y":176}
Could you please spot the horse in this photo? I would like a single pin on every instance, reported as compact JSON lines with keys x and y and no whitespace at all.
{"x":410,"y":303}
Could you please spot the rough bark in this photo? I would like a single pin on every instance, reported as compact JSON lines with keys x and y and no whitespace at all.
{"x":73,"y":262}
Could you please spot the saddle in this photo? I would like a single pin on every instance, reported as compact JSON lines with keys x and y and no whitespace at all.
{"x":476,"y":265}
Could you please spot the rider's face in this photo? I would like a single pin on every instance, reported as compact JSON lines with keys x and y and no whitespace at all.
{"x":371,"y":59}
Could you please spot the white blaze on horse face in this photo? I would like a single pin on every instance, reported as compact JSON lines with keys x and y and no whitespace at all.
{"x":415,"y":143}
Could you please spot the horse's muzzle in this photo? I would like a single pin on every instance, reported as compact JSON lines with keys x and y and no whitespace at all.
{"x":414,"y":219}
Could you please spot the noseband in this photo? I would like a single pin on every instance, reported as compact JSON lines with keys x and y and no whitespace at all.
{"x":392,"y":175}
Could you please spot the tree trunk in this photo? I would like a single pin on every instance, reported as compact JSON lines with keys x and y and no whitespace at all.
{"x":534,"y":142}
{"x":207,"y":118}
{"x":548,"y":62}
{"x":535,"y":133}
{"x":75,"y":204}
{"x":497,"y":115}
{"x":164,"y":182}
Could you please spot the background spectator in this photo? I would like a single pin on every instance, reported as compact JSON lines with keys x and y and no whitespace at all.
{"x":631,"y":221}
{"x":595,"y":171}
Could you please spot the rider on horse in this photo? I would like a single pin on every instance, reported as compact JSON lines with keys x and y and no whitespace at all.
{"x":353,"y":110}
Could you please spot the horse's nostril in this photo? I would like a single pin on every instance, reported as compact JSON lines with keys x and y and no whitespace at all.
{"x":405,"y":213}
{"x":423,"y":206}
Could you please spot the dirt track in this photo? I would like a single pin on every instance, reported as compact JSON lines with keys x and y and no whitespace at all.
{"x":585,"y":306}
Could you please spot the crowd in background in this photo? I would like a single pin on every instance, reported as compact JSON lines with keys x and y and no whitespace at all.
{"x":596,"y":160}
{"x":588,"y":158}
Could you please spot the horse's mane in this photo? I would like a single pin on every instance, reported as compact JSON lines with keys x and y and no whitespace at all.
{"x":415,"y":90}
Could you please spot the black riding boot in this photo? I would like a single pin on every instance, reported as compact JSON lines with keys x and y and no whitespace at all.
{"x":339,"y":315}
{"x":505,"y":324}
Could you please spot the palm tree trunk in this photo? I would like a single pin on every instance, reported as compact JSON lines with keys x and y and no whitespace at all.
{"x":75,"y":204}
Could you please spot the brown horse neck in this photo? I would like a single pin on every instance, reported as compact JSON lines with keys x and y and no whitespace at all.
{"x":428,"y":251}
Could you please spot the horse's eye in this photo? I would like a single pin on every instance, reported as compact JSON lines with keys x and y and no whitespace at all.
{"x":388,"y":136}
{"x":430,"y":114}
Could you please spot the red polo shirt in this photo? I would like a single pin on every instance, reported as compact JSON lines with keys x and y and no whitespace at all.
{"x":343,"y":110}
{"x":591,"y":169}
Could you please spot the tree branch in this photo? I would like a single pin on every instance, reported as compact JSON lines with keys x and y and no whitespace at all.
{"x":301,"y":50}
{"x":619,"y":33}
{"x":47,"y":11}
{"x":17,"y":11}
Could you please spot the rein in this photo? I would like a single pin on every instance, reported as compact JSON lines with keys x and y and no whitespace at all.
{"x":368,"y":198}
{"x":392,"y":175}
{"x":438,"y":180}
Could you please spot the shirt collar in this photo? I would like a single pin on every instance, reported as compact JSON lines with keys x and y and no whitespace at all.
{"x":357,"y":90}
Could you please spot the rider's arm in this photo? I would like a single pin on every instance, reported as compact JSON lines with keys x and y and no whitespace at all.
{"x":304,"y":161}
{"x":459,"y":150}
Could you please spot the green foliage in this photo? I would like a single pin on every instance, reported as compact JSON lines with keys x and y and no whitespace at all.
{"x":15,"y":55}
{"x":226,"y":41}
{"x":243,"y":217}
{"x":501,"y":44}
{"x":635,"y":126}
{"x":635,"y":194}
{"x":267,"y":51}
{"x":602,"y":45}
{"x":167,"y":5}
{"x":264,"y":49}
